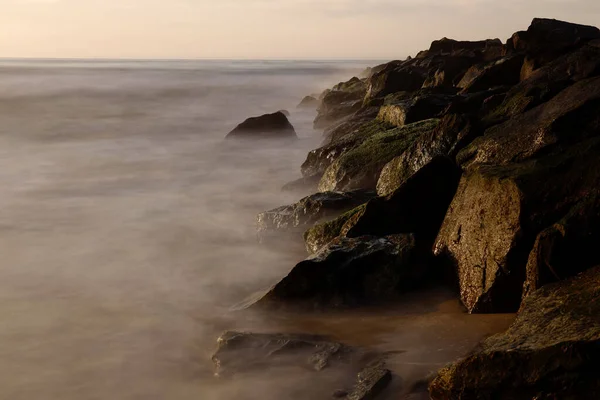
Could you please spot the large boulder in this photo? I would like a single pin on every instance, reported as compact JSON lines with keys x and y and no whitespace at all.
{"x":296,"y":218}
{"x":551,"y":351}
{"x":452,"y":134}
{"x":359,"y":374}
{"x":360,"y":166}
{"x":395,"y":78}
{"x":318,"y":160}
{"x":413,"y":108}
{"x":566,"y":248}
{"x":571,"y":116}
{"x":351,"y":272}
{"x":342,"y":100}
{"x":498,"y":211}
{"x":274,"y":125}
{"x":546,"y":39}
{"x":505,"y":71}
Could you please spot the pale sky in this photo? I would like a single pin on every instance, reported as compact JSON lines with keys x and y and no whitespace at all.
{"x":281,"y":29}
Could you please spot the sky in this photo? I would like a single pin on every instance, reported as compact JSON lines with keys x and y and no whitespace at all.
{"x":264,"y":29}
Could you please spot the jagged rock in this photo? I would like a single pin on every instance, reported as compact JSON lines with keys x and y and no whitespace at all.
{"x":274,"y":125}
{"x":546,"y":39}
{"x":566,"y":248}
{"x":505,"y":71}
{"x":449,"y":46}
{"x":296,"y":218}
{"x":414,"y":108}
{"x":318,"y":160}
{"x":572,"y":115}
{"x":394,"y":78}
{"x":306,"y":184}
{"x":350,"y":272}
{"x":360,"y":166}
{"x":551,"y":351}
{"x":343,"y":100}
{"x":546,"y":82}
{"x":498,"y":211}
{"x":324,"y":233}
{"x":309,"y":102}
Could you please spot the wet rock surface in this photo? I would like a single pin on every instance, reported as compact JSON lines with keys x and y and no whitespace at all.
{"x":549,"y":352}
{"x":296,"y":218}
{"x":269,"y":126}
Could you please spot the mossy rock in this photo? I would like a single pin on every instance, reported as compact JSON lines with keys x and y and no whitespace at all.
{"x":322,"y":234}
{"x":360,"y":166}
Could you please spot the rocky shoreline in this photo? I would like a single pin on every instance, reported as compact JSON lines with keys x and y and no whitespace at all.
{"x":473,"y":164}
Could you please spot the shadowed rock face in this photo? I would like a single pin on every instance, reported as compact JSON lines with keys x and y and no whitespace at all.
{"x":296,"y":218}
{"x":274,"y":125}
{"x":350,"y":272}
{"x":360,"y":166}
{"x":505,"y":71}
{"x":414,"y":108}
{"x":343,"y":100}
{"x":550,"y":352}
{"x":394,"y":78}
{"x":497,"y":212}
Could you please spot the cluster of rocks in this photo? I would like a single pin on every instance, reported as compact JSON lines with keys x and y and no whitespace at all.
{"x":476,"y":164}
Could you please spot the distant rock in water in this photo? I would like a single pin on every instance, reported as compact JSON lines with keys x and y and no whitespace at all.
{"x":275,"y":126}
{"x":309,"y":102}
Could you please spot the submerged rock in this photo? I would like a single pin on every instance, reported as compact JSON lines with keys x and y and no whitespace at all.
{"x":244,"y":351}
{"x":551,"y":351}
{"x":360,"y":166}
{"x":308,"y":211}
{"x":497,"y":213}
{"x":350,"y":272}
{"x":274,"y":125}
{"x":309,"y":102}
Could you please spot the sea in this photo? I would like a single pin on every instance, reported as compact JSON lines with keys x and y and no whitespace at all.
{"x":127,"y":233}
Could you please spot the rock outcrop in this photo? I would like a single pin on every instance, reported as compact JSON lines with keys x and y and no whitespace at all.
{"x":498,"y":211}
{"x":343,"y":100}
{"x":350,"y":272}
{"x":309,"y":102}
{"x":551,"y":351}
{"x":270,"y":126}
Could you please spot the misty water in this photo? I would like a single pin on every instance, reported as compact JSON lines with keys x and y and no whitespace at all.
{"x":127,"y":233}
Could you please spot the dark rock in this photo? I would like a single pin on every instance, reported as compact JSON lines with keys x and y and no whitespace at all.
{"x":566,"y":248}
{"x":414,"y":108}
{"x":551,"y":351}
{"x":394,"y":78}
{"x":351,"y":125}
{"x":350,"y":272}
{"x":285,"y":112}
{"x":244,"y":351}
{"x":498,"y":211}
{"x":372,"y":380}
{"x":306,"y":184}
{"x":318,"y":160}
{"x":418,"y":206}
{"x":296,"y":218}
{"x":505,"y":71}
{"x":546,"y":39}
{"x":309,"y":102}
{"x":343,"y":100}
{"x":449,"y":46}
{"x":360,"y":166}
{"x":274,"y":125}
{"x":546,"y":82}
{"x":571,"y":116}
